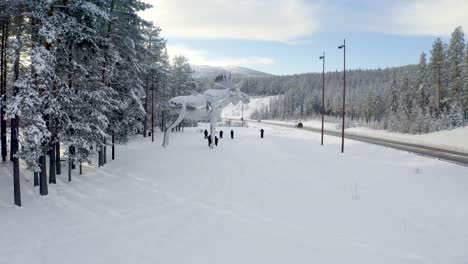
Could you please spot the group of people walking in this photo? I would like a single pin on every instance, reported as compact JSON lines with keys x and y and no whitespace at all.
{"x":216,"y":140}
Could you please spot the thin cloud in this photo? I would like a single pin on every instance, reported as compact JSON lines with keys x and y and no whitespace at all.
{"x":429,"y":17}
{"x":270,"y":20}
{"x":201,"y":57}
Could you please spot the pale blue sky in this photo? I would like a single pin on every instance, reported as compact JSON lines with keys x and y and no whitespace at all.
{"x":288,"y":36}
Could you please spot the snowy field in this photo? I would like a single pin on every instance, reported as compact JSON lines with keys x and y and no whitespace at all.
{"x":455,"y":139}
{"x":283,"y":199}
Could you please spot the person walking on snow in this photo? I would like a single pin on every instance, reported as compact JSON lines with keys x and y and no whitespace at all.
{"x":232,"y":134}
{"x":221,"y":134}
{"x":261,"y":132}
{"x":216,"y":141}
{"x":210,"y":140}
{"x":206,"y":134}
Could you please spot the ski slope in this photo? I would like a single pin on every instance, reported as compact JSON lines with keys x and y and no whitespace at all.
{"x":235,"y":111}
{"x":283,"y":199}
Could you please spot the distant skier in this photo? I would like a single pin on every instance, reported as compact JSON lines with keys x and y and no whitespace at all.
{"x":206,"y":134}
{"x":261,"y":132}
{"x":210,"y":140}
{"x":221,"y":134}
{"x":216,"y":141}
{"x":232,"y":134}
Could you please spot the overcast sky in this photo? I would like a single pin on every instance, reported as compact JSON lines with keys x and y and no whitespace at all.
{"x":288,"y":36}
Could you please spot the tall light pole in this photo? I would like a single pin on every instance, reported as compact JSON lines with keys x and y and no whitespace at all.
{"x":344,"y":93}
{"x":323,"y":91}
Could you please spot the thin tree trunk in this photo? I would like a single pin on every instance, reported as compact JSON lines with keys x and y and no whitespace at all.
{"x":43,"y":188}
{"x":3,"y":130}
{"x":15,"y":121}
{"x":104,"y":156}
{"x":145,"y":124}
{"x":113,"y":146}
{"x":152,"y":109}
{"x":36,"y":178}
{"x":33,"y":38}
{"x":72,"y":151}
{"x":58,"y":165}
{"x":81,"y":168}
{"x":52,"y":169}
{"x":15,"y":159}
{"x":69,"y":169}
{"x":99,"y":155}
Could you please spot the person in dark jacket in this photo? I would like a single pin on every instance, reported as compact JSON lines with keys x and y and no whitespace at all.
{"x":216,"y":141}
{"x":261,"y":132}
{"x":232,"y":134}
{"x":210,"y":140}
{"x":206,"y":134}
{"x":221,"y":134}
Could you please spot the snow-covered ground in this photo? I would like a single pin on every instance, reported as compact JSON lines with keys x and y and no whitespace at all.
{"x":456,"y":139}
{"x":281,"y":199}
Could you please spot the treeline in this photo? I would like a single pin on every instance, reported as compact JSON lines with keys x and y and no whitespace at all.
{"x":83,"y":75}
{"x":422,"y":98}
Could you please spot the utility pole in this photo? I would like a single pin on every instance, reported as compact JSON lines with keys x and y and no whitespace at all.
{"x":344,"y":93}
{"x":323,"y":93}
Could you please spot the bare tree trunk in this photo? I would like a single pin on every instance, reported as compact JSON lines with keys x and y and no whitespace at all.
{"x":99,"y":155}
{"x":15,"y":121}
{"x":69,"y":169}
{"x":145,"y":124}
{"x":43,"y":188}
{"x":104,"y":155}
{"x":3,"y":130}
{"x":113,"y":146}
{"x":58,"y":165}
{"x":71,"y":150}
{"x":36,"y":178}
{"x":52,"y":170}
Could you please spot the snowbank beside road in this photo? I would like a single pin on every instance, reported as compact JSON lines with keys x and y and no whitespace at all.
{"x":455,"y":139}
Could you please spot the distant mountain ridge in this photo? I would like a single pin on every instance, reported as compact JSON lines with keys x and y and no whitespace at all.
{"x":210,"y":72}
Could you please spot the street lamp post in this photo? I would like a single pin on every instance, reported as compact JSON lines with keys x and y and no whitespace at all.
{"x":344,"y":93}
{"x":323,"y":91}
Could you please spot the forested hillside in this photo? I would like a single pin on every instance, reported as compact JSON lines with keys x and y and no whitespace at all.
{"x":429,"y":96}
{"x":81,"y":75}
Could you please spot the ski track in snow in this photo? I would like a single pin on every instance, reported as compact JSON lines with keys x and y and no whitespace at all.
{"x":282,"y":199}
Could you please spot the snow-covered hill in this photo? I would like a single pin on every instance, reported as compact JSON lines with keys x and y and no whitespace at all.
{"x":204,"y":71}
{"x":235,"y":111}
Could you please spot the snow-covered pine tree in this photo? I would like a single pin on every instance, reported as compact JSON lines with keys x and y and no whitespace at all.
{"x":455,"y":62}
{"x":436,"y":72}
{"x":422,"y":84}
{"x":465,"y":84}
{"x":393,"y":95}
{"x":154,"y":73}
{"x":164,"y":77}
{"x":127,"y":33}
{"x":182,"y":82}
